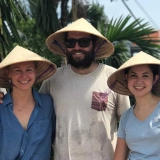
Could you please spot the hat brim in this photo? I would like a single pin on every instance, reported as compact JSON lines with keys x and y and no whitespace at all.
{"x":56,"y":41}
{"x":117,"y":80}
{"x":44,"y":67}
{"x":44,"y":70}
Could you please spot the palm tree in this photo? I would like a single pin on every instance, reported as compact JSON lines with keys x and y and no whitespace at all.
{"x":137,"y":32}
{"x":46,"y":16}
{"x":96,"y":15}
{"x":64,"y":13}
{"x":116,"y":30}
{"x":10,"y":14}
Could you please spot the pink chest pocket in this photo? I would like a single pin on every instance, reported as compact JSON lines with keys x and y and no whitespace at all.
{"x":99,"y":101}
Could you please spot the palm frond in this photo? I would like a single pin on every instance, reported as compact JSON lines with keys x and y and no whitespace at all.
{"x":137,"y":32}
{"x":11,"y":14}
{"x":46,"y":18}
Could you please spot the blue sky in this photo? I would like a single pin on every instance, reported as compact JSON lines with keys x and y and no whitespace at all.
{"x":149,"y":10}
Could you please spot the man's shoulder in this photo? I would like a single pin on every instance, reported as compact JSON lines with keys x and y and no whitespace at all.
{"x":62,"y":69}
{"x":59,"y":73}
{"x":108,"y":69}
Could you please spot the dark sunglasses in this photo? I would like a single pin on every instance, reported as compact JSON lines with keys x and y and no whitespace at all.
{"x":83,"y":42}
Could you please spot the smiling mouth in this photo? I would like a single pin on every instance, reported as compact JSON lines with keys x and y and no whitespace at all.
{"x":138,"y":87}
{"x":24,"y":82}
{"x":78,"y":53}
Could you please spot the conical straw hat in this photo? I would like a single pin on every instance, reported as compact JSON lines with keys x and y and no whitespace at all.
{"x":56,"y":41}
{"x":117,"y":80}
{"x":44,"y":67}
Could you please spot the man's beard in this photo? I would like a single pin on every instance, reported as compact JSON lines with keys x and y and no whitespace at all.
{"x":81,"y":63}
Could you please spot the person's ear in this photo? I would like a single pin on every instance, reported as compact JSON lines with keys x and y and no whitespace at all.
{"x":126,"y":76}
{"x":7,"y":72}
{"x":155,"y":79}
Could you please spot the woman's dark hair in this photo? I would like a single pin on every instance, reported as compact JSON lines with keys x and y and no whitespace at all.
{"x":126,"y":70}
{"x":153,"y":67}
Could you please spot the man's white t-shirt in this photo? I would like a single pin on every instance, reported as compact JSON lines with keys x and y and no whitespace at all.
{"x":83,"y":130}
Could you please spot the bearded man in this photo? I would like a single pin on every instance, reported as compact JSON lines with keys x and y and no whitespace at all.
{"x":86,"y":109}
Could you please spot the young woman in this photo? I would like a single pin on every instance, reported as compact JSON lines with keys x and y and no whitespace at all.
{"x":27,"y":118}
{"x":139,"y":128}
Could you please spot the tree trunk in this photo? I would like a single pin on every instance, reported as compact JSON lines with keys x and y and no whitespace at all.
{"x":64,"y":18}
{"x":64,"y":13}
{"x":74,"y":10}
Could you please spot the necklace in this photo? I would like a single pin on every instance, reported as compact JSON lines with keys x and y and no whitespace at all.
{"x":20,"y":109}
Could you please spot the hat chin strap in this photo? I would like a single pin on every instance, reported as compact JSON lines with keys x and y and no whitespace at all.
{"x":56,"y":43}
{"x":4,"y":79}
{"x":99,"y":46}
{"x":49,"y":68}
{"x":10,"y":84}
{"x":113,"y":85}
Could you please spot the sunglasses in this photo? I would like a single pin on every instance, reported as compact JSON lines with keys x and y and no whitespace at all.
{"x":82,"y":42}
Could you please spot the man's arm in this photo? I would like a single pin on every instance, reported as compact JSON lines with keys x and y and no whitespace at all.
{"x":123,"y":103}
{"x":2,"y":93}
{"x":45,"y":87}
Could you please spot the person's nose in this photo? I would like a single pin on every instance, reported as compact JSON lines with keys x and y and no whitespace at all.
{"x":139,"y":79}
{"x":77,"y":46}
{"x":23,"y":74}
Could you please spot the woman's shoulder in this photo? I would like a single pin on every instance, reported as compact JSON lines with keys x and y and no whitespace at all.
{"x":42,"y":97}
{"x":46,"y":97}
{"x":126,"y":114}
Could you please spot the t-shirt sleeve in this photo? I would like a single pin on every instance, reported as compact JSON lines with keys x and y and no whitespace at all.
{"x":45,"y":87}
{"x":122,"y":124}
{"x":3,"y":90}
{"x":123,"y":103}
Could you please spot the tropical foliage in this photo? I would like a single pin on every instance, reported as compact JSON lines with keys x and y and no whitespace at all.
{"x":10,"y":14}
{"x":96,"y":15}
{"x":30,"y":28}
{"x":137,"y":32}
{"x":46,"y":16}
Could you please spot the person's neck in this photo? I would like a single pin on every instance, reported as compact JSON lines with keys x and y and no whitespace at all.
{"x":147,"y":101}
{"x":84,"y":71}
{"x":22,"y":97}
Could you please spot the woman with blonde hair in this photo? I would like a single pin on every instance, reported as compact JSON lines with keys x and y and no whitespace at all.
{"x":27,"y":119}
